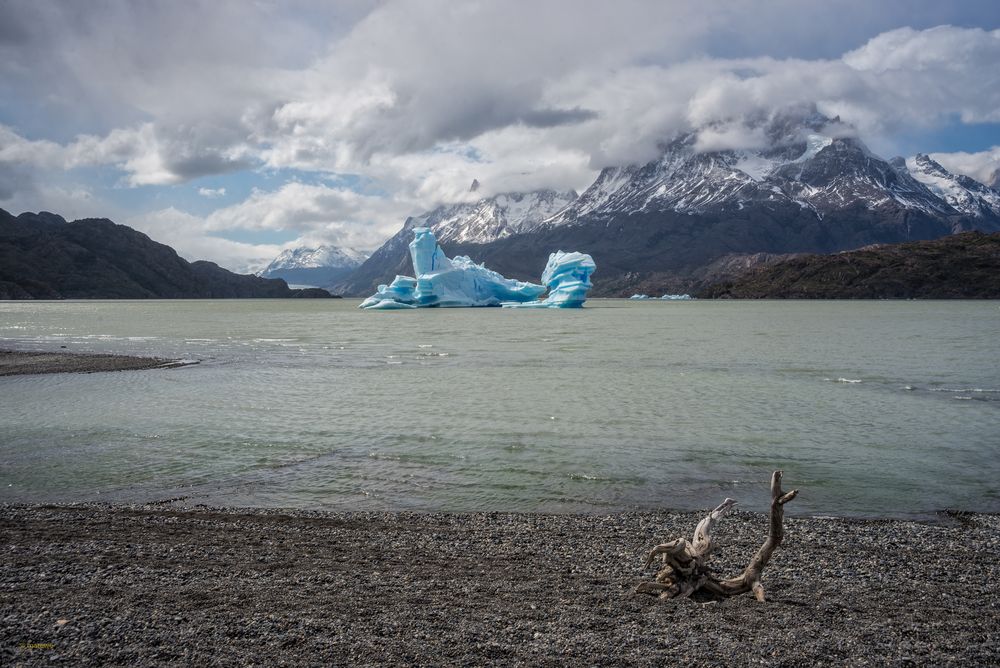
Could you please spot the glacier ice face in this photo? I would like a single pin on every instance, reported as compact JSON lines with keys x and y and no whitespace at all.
{"x":427,"y":256}
{"x":448,"y":282}
{"x":567,"y":276}
{"x":398,"y":294}
{"x":451,"y":282}
{"x":465,"y":283}
{"x":460,"y":281}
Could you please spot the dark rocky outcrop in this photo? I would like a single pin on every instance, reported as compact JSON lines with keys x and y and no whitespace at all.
{"x":44,"y":257}
{"x":965,"y":266}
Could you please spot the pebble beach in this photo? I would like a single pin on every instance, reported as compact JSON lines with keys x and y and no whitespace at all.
{"x":162,"y":585}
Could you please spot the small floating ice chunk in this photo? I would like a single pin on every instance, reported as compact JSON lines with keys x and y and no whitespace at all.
{"x":677,"y":298}
{"x":639,"y":297}
{"x":388,"y":305}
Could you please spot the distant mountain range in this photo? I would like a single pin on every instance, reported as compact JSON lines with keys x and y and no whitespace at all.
{"x":44,"y":257}
{"x":673,"y":224}
{"x":319,"y":266}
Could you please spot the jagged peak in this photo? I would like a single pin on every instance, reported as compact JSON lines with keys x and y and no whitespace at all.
{"x":964,"y":194}
{"x":309,"y":257}
{"x":493,"y":217}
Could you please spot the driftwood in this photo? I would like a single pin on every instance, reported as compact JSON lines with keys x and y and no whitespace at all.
{"x":685,"y":568}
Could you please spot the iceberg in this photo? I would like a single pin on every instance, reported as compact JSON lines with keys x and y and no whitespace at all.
{"x":639,"y":297}
{"x":398,"y":294}
{"x":567,"y":276}
{"x":677,"y":298}
{"x":454,"y":282}
{"x":459,"y":281}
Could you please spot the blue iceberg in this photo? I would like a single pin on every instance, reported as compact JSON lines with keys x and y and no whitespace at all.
{"x":567,"y":276}
{"x":451,"y":282}
{"x":398,"y":294}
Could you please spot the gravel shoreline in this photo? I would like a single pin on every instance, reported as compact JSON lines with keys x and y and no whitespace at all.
{"x":155,"y":585}
{"x":22,"y":363}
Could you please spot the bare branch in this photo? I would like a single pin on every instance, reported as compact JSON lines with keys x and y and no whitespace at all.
{"x":685,"y":564}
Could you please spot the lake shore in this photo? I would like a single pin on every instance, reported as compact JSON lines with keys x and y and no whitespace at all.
{"x":130,"y":585}
{"x":23,"y":363}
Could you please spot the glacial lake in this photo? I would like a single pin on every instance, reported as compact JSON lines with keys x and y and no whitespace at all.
{"x":871,"y":408}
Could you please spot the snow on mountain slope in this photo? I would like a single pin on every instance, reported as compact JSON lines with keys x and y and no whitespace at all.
{"x":492,"y":218}
{"x":964,"y":194}
{"x":319,"y":266}
{"x":681,"y":180}
{"x":805,"y":167}
{"x":845,"y":173}
{"x":312,"y":258}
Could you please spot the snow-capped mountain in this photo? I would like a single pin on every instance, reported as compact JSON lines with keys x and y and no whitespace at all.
{"x":320,"y":266}
{"x":803,"y":166}
{"x":963,"y":194}
{"x":814,"y":187}
{"x":492,"y":218}
{"x":487,"y":220}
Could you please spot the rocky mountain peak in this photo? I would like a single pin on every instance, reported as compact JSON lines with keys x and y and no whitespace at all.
{"x":492,"y":218}
{"x":317,"y":266}
{"x":963,"y":194}
{"x":799,"y":166}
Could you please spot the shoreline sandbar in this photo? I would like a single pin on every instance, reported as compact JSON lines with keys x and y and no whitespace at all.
{"x":24,"y":362}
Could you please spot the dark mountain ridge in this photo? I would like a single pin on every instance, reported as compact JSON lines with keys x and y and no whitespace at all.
{"x":42,"y":256}
{"x":964,"y":265}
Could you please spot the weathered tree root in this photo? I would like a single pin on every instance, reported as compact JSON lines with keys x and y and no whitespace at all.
{"x":685,"y":567}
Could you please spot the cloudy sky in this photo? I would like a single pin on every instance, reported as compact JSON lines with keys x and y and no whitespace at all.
{"x":231,"y":130}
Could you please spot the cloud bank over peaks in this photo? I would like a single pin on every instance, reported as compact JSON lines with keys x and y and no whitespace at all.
{"x":358,"y":108}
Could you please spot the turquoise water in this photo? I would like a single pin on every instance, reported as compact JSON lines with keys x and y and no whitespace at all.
{"x":871,"y":408}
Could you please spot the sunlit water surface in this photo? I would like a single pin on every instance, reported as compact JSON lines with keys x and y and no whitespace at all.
{"x":871,"y":408}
